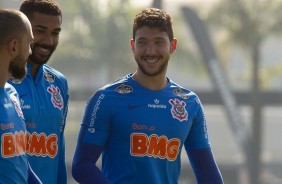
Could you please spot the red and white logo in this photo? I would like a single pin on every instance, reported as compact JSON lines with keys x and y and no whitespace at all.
{"x":17,"y":106}
{"x":178,"y":110}
{"x":56,"y":97}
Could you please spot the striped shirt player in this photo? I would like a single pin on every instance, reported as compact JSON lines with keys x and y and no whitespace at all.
{"x":44,"y":102}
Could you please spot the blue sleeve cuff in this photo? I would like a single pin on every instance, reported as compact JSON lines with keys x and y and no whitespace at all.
{"x":204,"y":166}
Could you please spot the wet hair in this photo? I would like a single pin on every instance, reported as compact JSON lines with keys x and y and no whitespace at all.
{"x":12,"y":25}
{"x":153,"y":17}
{"x":49,"y":7}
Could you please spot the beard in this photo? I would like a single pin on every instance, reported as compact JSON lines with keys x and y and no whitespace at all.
{"x":17,"y":69}
{"x":161,"y":68}
{"x":36,"y":58}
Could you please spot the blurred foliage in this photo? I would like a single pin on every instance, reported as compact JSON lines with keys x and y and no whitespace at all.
{"x":96,"y":37}
{"x":246,"y":24}
{"x":249,"y":23}
{"x":93,"y":37}
{"x":94,"y":43}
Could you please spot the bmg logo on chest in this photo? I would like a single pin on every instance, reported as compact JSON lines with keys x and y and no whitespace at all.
{"x":154,"y":146}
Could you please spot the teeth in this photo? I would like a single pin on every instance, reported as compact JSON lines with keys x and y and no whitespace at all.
{"x":151,"y":60}
{"x":44,"y":50}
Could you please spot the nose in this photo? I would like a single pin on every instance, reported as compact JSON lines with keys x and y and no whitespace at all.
{"x":48,"y":39}
{"x":150,"y":49}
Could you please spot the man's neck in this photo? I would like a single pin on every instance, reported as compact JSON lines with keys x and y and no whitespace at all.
{"x":4,"y":76}
{"x":34,"y":69}
{"x":151,"y":82}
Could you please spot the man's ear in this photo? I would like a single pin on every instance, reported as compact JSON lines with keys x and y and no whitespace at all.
{"x":132,"y":45}
{"x":13,"y":47}
{"x":173,"y":45}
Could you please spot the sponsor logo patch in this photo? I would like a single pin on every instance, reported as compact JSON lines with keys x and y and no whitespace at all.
{"x":91,"y":128}
{"x":23,"y":105}
{"x":142,"y":145}
{"x":157,"y":105}
{"x":15,"y":81}
{"x":124,"y":89}
{"x":49,"y":77}
{"x":179,"y":92}
{"x":40,"y":144}
{"x":13,"y":144}
{"x":5,"y":126}
{"x":19,"y":143}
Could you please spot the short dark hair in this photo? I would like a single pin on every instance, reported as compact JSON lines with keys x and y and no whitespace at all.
{"x":153,"y":17}
{"x":12,"y":25}
{"x":49,"y":7}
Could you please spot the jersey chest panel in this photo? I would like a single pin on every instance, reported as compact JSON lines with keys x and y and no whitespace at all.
{"x":150,"y":115}
{"x":38,"y":107}
{"x":12,"y":133}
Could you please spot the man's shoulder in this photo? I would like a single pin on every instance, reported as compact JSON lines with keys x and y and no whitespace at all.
{"x":181,"y":91}
{"x":121,"y":85}
{"x":52,"y":75}
{"x":49,"y":69}
{"x":9,"y":88}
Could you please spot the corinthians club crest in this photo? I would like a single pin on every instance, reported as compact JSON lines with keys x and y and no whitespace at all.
{"x":56,"y":97}
{"x":178,"y":110}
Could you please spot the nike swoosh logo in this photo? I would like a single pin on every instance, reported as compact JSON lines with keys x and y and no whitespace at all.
{"x":130,"y":107}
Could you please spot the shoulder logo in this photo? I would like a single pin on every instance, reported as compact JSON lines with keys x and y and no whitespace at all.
{"x":179,"y":92}
{"x":15,"y":81}
{"x":49,"y":77}
{"x":178,"y":110}
{"x":56,"y":97}
{"x":124,"y":89}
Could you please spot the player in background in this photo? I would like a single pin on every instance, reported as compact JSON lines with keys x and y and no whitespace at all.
{"x":141,"y":121}
{"x":16,"y":38}
{"x":44,"y":94}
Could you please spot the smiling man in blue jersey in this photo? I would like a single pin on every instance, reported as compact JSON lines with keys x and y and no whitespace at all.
{"x":140,"y":122}
{"x":44,"y":94}
{"x":16,"y":38}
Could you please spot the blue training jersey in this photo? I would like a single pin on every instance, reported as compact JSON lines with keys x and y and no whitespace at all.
{"x":44,"y":102}
{"x":13,"y":159}
{"x":143,"y":131}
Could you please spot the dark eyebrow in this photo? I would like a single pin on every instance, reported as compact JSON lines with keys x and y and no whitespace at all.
{"x":141,"y":38}
{"x":43,"y":27}
{"x":160,"y":38}
{"x":57,"y":29}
